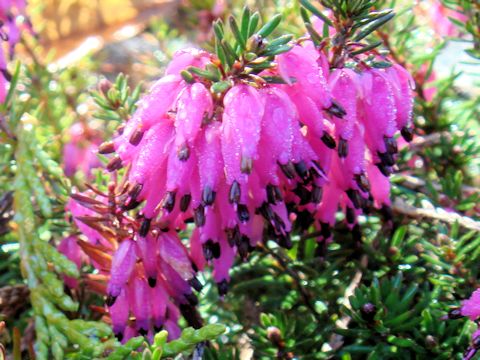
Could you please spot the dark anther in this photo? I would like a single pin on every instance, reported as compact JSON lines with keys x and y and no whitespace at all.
{"x":106,"y":148}
{"x":357,"y":234}
{"x":354,"y":197}
{"x":191,"y":315}
{"x":278,"y":193}
{"x":342,"y":148}
{"x":222,"y":287}
{"x":194,"y":266}
{"x":145,"y":227}
{"x":191,"y":298}
{"x":317,"y":193}
{"x":271,"y":194}
{"x":303,"y":193}
{"x":233,"y":235}
{"x":455,"y":314}
{"x":304,"y":220}
{"x":266,"y":211}
{"x":368,"y":312}
{"x":328,"y":140}
{"x":386,"y":158}
{"x":385,"y":170}
{"x":302,"y":170}
{"x":6,"y":75}
{"x":350,"y":215}
{"x":143,"y":332}
{"x":195,"y":283}
{"x":321,"y":249}
{"x":242,"y":213}
{"x":130,"y":205}
{"x":114,"y":164}
{"x":234,"y":196}
{"x":169,"y":201}
{"x":391,"y":145}
{"x":152,"y":282}
{"x":136,"y":137}
{"x":216,"y":250}
{"x":157,"y":328}
{"x":288,"y":170}
{"x":110,"y":300}
{"x":207,"y":250}
{"x":185,"y":202}
{"x":243,"y":246}
{"x":336,"y":110}
{"x":183,"y":152}
{"x":362,"y":182}
{"x":285,"y":241}
{"x":121,"y":129}
{"x":407,"y":133}
{"x":278,"y":223}
{"x":387,"y":213}
{"x":136,"y":190}
{"x":208,"y":196}
{"x":325,"y":230}
{"x":246,"y":165}
{"x":199,"y":216}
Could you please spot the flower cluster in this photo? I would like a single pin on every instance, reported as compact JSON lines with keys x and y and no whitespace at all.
{"x":10,"y":11}
{"x":244,"y":164}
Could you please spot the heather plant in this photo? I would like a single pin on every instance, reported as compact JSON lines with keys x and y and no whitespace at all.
{"x":303,"y":184}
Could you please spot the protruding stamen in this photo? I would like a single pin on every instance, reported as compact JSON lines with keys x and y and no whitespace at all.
{"x":243,"y":213}
{"x":386,"y":158}
{"x":107,"y":147}
{"x":350,"y":215}
{"x":362,"y":182}
{"x":195,"y":283}
{"x":407,"y":133}
{"x":354,"y":197}
{"x":235,"y":192}
{"x":183,"y":152}
{"x":145,"y":227}
{"x":391,"y":145}
{"x":199,"y":216}
{"x":302,"y":170}
{"x":317,"y":193}
{"x":328,"y":140}
{"x":246,"y":165}
{"x":288,"y":170}
{"x":110,"y":300}
{"x":336,"y":110}
{"x":114,"y":164}
{"x":136,"y":137}
{"x":303,"y":193}
{"x":169,"y":201}
{"x":185,"y":202}
{"x":208,"y":196}
{"x":152,"y":282}
{"x":222,"y":287}
{"x":342,"y":148}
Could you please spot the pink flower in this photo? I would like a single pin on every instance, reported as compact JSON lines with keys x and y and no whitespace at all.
{"x":255,"y":161}
{"x":471,"y":306}
{"x":439,"y":19}
{"x":80,"y":153}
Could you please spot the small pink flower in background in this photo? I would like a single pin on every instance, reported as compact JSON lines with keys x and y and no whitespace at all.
{"x":80,"y":152}
{"x":471,"y":306}
{"x":10,"y":28}
{"x":439,"y":18}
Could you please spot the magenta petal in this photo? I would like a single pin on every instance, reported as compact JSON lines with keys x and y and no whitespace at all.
{"x":123,"y":263}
